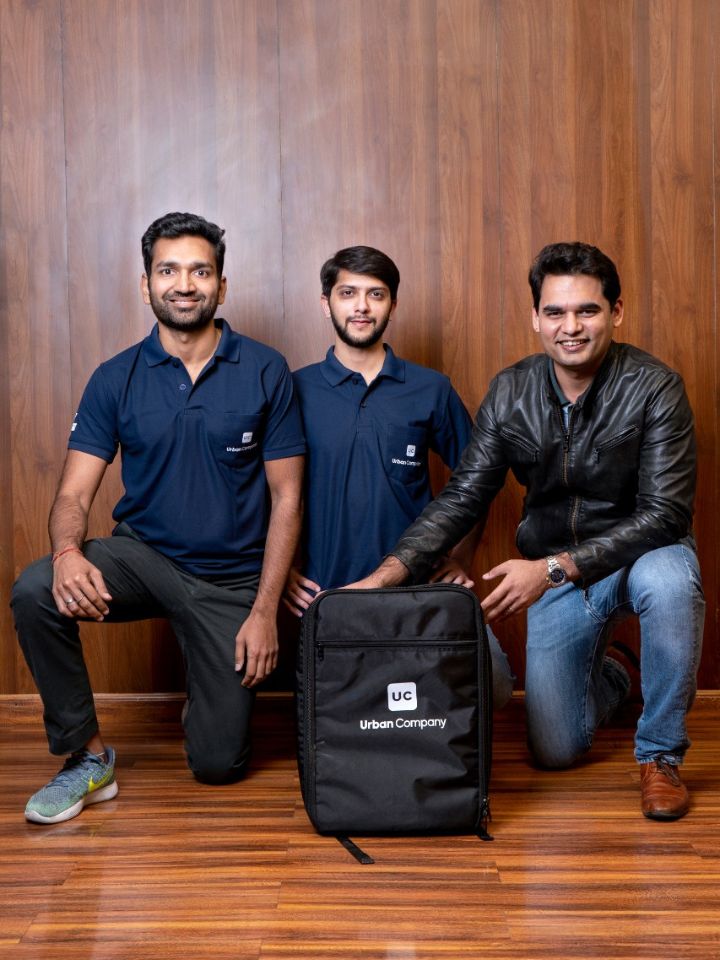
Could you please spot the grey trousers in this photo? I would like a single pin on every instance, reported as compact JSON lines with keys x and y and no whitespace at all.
{"x":144,"y":584}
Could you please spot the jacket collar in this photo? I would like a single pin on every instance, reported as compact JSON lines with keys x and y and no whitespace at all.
{"x":555,"y":393}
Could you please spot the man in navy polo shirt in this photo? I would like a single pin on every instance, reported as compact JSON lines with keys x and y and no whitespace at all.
{"x":212,"y":455}
{"x":371,"y":420}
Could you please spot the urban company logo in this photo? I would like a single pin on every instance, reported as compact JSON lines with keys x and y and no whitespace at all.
{"x":403,"y":697}
{"x":247,"y":440}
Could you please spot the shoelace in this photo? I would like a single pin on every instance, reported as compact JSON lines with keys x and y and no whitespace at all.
{"x":669,"y":770}
{"x":66,"y":775}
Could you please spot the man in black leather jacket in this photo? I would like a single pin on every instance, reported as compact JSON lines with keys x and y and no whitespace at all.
{"x":601,"y":435}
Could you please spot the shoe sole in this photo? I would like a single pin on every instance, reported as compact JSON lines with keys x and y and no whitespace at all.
{"x":97,"y":796}
{"x":666,"y":816}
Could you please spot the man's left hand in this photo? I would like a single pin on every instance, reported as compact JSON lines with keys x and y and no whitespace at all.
{"x":524,"y":581}
{"x":256,"y":648}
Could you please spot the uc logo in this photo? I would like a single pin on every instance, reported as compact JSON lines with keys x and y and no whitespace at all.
{"x":402,"y":696}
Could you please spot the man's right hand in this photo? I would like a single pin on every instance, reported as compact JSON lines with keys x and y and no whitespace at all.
{"x":78,"y":587}
{"x":391,"y":573}
{"x":299,"y":592}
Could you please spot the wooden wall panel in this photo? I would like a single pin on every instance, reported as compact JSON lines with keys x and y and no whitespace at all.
{"x":34,"y":334}
{"x":469,"y":176}
{"x":458,"y":135}
{"x":359,"y":159}
{"x":683,"y":259}
{"x":709,"y":426}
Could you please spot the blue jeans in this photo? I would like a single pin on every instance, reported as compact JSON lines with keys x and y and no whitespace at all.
{"x":571,"y":688}
{"x":502,"y":675}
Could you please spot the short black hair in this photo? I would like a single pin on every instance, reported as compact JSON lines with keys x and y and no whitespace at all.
{"x":567,"y":259}
{"x":363,"y":260}
{"x":174,"y":225}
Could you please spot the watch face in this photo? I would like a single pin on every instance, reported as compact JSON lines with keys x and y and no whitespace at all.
{"x":557,"y":575}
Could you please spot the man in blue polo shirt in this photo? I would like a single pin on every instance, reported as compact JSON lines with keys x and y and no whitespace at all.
{"x":371,"y":420}
{"x":212,"y":455}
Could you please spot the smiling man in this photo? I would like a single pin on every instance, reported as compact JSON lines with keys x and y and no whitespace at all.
{"x":212,"y":453}
{"x":601,"y":436}
{"x":371,"y":420}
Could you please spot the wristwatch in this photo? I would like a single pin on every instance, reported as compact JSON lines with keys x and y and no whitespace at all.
{"x":556,"y":576}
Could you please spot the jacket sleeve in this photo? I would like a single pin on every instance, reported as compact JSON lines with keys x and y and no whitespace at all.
{"x":666,"y":488}
{"x":463,"y":503}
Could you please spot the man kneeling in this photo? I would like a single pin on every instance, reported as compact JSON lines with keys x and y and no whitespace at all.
{"x":601,"y":435}
{"x":212,"y":453}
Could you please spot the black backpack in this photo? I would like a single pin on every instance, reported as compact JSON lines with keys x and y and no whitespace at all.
{"x":394,"y":712}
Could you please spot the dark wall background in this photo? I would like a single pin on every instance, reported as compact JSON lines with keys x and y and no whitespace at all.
{"x":458,"y":135}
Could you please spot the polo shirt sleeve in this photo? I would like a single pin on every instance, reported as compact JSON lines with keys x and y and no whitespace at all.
{"x":94,"y":428}
{"x":283,"y":435}
{"x":453,"y":428}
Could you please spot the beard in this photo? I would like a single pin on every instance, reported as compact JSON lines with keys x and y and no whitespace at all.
{"x":359,"y":340}
{"x":186,"y":321}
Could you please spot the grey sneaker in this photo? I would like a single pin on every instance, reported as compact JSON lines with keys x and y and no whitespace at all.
{"x":84,"y":779}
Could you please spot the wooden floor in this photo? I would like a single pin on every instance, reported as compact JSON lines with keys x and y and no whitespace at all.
{"x":173,"y":869}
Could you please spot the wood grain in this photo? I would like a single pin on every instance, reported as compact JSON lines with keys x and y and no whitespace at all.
{"x":34,"y":304}
{"x":683,"y":260}
{"x":171,"y":866}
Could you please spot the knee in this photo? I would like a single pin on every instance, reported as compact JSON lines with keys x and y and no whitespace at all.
{"x":554,"y":742}
{"x":32,"y":586}
{"x":555,"y":754}
{"x":219,"y":767}
{"x":667,"y":577}
{"x":502,"y":677}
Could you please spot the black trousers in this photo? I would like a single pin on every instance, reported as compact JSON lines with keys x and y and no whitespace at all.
{"x":144,"y":584}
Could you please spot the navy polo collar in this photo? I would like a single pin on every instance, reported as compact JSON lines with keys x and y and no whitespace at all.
{"x":335,"y":373}
{"x":227,"y":349}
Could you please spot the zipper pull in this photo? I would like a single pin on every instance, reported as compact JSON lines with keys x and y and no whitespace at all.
{"x":485,"y":817}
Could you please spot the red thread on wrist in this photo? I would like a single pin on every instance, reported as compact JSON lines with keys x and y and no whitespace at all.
{"x":56,"y":556}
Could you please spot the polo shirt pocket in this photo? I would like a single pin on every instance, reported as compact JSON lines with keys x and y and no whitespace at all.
{"x":235,"y":439}
{"x":406,"y":453}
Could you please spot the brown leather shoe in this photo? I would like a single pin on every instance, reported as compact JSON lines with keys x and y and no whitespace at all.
{"x":664,"y":795}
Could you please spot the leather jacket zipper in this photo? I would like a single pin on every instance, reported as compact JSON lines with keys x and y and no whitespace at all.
{"x":566,"y":443}
{"x":575,"y":502}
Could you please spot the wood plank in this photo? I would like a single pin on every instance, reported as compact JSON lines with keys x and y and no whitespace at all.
{"x":360,"y":166}
{"x":35,"y":419}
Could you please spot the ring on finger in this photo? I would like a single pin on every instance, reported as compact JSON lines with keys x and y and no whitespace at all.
{"x":70,"y":600}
